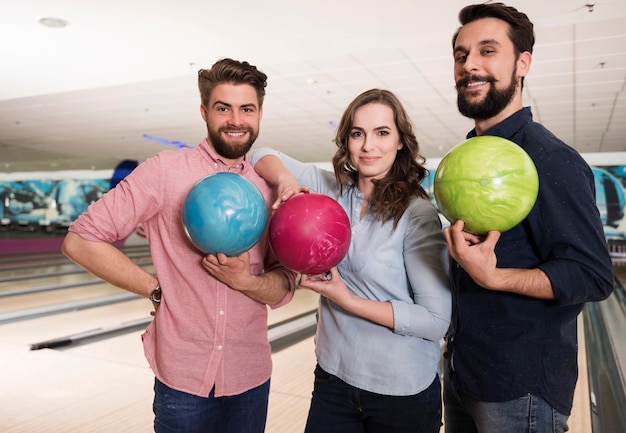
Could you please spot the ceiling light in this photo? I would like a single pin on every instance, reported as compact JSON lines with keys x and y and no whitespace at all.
{"x":53,"y":23}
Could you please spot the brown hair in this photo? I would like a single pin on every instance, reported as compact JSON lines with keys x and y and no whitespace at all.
{"x":393,"y":193}
{"x":521,"y":30}
{"x":231,"y":71}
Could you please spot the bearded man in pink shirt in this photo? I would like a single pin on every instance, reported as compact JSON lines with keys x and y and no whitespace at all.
{"x":208,"y":344}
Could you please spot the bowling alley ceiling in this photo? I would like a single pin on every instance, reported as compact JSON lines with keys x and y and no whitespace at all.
{"x":113,"y":80}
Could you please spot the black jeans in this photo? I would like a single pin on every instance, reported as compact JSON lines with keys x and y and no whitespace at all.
{"x":342,"y":408}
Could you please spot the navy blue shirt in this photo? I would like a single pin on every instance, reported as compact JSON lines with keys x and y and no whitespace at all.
{"x":503,"y":345}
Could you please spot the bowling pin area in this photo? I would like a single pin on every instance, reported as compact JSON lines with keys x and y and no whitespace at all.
{"x":72,"y":358}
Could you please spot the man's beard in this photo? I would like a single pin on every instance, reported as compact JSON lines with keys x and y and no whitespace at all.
{"x":494,"y":102}
{"x":227,"y":150}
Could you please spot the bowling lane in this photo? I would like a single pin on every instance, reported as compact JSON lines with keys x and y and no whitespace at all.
{"x":292,"y":384}
{"x":106,"y":386}
{"x":54,"y":297}
{"x":27,"y":263}
{"x":61,"y":391}
{"x":39,"y":329}
{"x":36,"y":281}
{"x":55,"y":326}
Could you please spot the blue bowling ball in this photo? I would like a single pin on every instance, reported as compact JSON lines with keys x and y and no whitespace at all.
{"x":224,"y":213}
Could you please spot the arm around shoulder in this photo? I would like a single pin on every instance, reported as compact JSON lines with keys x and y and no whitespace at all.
{"x":271,"y":168}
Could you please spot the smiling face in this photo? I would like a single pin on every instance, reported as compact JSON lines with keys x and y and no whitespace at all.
{"x":232,"y":117}
{"x":373,"y":142}
{"x":487,"y":70}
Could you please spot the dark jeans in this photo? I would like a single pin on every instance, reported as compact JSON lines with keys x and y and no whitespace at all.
{"x":179,"y":412}
{"x":342,"y":408}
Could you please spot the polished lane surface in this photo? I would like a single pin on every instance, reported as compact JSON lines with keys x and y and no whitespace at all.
{"x":106,"y":385}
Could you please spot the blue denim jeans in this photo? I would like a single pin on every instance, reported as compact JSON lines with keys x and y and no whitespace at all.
{"x":342,"y":408}
{"x":528,"y":414}
{"x":179,"y":412}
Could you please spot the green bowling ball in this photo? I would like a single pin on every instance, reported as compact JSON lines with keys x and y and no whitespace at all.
{"x":488,"y":182}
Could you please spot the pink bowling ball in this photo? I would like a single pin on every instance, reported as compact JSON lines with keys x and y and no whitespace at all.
{"x":310,"y":233}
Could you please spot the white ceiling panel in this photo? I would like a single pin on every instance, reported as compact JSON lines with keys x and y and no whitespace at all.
{"x":84,"y":96}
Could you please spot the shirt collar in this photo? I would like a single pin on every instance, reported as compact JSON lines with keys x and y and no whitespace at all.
{"x":216,"y":160}
{"x":509,"y":126}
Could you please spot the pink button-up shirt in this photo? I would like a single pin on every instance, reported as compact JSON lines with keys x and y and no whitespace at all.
{"x":204,"y":334}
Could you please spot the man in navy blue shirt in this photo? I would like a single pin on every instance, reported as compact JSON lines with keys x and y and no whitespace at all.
{"x":512,"y":346}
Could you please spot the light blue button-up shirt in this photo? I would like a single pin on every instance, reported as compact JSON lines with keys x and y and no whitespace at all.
{"x":407,"y":267}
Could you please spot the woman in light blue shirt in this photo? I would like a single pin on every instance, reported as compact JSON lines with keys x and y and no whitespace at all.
{"x":387,"y":304}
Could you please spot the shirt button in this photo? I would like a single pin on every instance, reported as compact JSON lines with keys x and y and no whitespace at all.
{"x":221,"y":312}
{"x":219,"y":347}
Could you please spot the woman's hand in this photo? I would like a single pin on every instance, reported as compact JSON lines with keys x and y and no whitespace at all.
{"x":328,"y":284}
{"x":286,"y":191}
{"x":331,"y":286}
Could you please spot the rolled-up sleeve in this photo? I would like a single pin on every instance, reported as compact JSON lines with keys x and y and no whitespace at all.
{"x":570,"y":232}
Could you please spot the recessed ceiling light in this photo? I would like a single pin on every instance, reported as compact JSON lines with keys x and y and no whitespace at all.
{"x":53,"y":23}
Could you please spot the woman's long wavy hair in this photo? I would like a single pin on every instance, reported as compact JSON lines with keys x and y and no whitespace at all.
{"x":393,"y":193}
